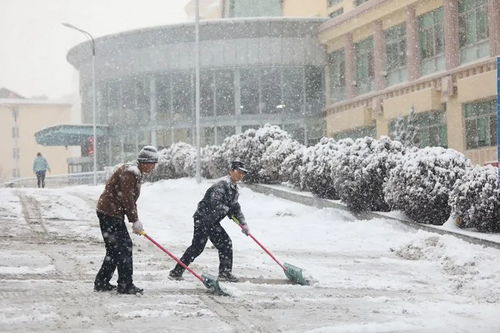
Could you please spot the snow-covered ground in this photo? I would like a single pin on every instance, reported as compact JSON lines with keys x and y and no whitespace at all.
{"x":369,"y":276}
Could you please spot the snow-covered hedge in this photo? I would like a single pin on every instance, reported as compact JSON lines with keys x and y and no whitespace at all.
{"x":250,"y":146}
{"x":176,"y":161}
{"x":274,"y":158}
{"x":421,"y":182}
{"x":316,"y":169}
{"x":291,"y":166}
{"x":360,"y":171}
{"x":475,"y":199}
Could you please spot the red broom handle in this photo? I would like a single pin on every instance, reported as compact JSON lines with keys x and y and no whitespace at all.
{"x":259,"y":243}
{"x":172,"y":256}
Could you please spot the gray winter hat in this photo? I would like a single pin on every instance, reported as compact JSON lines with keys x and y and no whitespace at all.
{"x":148,"y":154}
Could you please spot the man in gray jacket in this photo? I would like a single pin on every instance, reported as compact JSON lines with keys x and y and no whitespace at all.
{"x":220,"y":200}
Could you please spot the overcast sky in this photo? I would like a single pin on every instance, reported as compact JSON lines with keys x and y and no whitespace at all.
{"x":33,"y":43}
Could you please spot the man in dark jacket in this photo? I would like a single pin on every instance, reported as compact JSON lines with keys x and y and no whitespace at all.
{"x":119,"y":199}
{"x":220,"y":200}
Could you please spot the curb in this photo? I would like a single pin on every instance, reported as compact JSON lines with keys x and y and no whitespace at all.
{"x":323,"y":203}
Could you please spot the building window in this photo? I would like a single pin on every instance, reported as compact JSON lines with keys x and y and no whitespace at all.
{"x":224,"y":92}
{"x":252,"y":8}
{"x":336,"y":62}
{"x":15,"y":153}
{"x":480,"y":124}
{"x":332,"y":3}
{"x":163,"y":97}
{"x":357,"y":133}
{"x":395,"y":45}
{"x":293,"y":79}
{"x":182,"y":91}
{"x":208,"y":136}
{"x":15,"y":114}
{"x":432,"y":129}
{"x":16,"y":173}
{"x":359,"y":2}
{"x":336,"y":13}
{"x":224,"y":132}
{"x":364,"y":65}
{"x":314,"y":88}
{"x":15,"y":132}
{"x":207,"y":93}
{"x":249,"y":91}
{"x":271,"y":90}
{"x":431,"y":39}
{"x":473,"y":29}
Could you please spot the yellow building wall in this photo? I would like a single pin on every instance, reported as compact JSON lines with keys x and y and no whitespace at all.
{"x":301,"y":8}
{"x":423,"y":100}
{"x":31,"y":119}
{"x":342,"y":121}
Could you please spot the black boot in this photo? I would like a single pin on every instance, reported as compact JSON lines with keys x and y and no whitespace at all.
{"x":228,"y":277}
{"x":176,"y":274}
{"x":104,"y":287}
{"x":130,"y":290}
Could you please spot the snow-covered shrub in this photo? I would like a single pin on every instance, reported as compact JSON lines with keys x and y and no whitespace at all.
{"x":290,"y":168}
{"x":274,"y":157}
{"x":360,"y":171}
{"x":475,"y":199}
{"x":249,"y":147}
{"x":421,"y":182}
{"x":178,"y":160}
{"x":317,"y":161}
{"x":212,"y":163}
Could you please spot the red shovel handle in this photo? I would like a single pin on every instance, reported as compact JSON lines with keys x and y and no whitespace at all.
{"x":173,"y":257}
{"x":259,"y":243}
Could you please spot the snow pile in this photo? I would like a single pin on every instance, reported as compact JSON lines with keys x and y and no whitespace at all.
{"x":421,"y":182}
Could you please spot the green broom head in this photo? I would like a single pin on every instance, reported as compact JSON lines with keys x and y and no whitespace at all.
{"x":294,"y":274}
{"x":212,"y":283}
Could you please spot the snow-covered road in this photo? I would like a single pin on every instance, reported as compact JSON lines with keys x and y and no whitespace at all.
{"x":370,"y":276}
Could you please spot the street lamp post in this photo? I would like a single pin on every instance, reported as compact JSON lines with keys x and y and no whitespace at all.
{"x":94,"y":141}
{"x":197,"y":88}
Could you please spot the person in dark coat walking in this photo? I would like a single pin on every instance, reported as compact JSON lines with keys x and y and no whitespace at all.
{"x":220,"y":200}
{"x":119,"y":199}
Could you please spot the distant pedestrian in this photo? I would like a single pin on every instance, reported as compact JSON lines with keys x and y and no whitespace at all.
{"x":119,"y":199}
{"x":40,"y":167}
{"x":220,"y":200}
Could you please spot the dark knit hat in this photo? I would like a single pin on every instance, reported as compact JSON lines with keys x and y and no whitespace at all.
{"x":148,"y":154}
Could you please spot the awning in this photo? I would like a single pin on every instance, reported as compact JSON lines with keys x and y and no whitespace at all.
{"x":69,"y":135}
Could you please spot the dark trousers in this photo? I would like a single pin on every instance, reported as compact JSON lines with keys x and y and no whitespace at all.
{"x":218,"y":237}
{"x":118,"y":251}
{"x":40,"y":178}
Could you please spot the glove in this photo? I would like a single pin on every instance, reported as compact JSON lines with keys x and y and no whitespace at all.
{"x":137,"y":227}
{"x":245,"y":229}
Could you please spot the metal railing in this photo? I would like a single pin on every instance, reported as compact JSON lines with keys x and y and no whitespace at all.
{"x":81,"y":178}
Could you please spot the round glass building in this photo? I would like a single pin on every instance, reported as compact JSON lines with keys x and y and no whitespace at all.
{"x":253,"y":71}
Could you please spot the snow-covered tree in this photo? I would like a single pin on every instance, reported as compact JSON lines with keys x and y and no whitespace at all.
{"x":360,"y":171}
{"x":421,"y":182}
{"x":406,"y":129}
{"x":178,"y":160}
{"x":475,"y":199}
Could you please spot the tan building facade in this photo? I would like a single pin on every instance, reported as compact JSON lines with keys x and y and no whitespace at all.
{"x":386,"y":57}
{"x":20,"y":119}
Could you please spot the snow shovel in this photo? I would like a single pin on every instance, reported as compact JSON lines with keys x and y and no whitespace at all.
{"x":293,"y":273}
{"x":208,"y":280}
